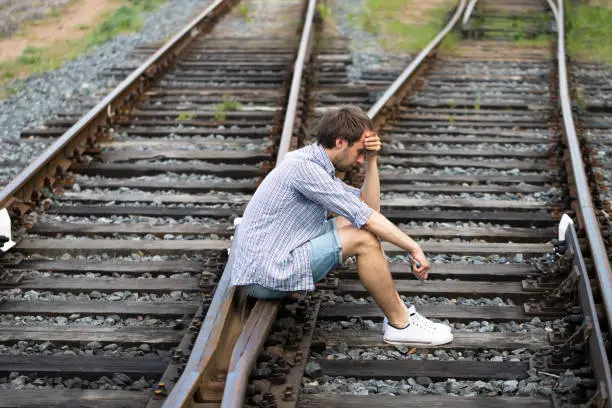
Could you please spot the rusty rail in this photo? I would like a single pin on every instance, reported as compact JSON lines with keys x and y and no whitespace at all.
{"x":598,"y":356}
{"x":26,"y":188}
{"x":586,"y":209}
{"x":224,"y":354}
{"x":209,"y":374}
{"x":588,"y":220}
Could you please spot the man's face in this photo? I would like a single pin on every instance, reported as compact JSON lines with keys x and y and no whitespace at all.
{"x":350,"y":155}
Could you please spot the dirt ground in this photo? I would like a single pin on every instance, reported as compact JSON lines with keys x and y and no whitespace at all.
{"x":417,"y":12}
{"x":604,"y":3}
{"x":71,"y":24}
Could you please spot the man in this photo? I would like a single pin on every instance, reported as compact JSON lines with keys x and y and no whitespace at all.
{"x":284,"y":243}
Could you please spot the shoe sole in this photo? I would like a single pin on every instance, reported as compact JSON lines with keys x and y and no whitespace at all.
{"x":413,"y":343}
{"x":447,"y":328}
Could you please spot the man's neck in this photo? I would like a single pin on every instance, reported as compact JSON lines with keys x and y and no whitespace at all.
{"x":331,"y":153}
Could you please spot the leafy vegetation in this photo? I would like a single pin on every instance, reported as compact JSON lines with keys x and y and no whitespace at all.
{"x":244,"y":11}
{"x":30,"y":55}
{"x":54,"y":12}
{"x":579,"y":98}
{"x":125,"y":18}
{"x":380,"y":17}
{"x":589,"y":29}
{"x":526,"y":32}
{"x":185,"y":116}
{"x":227,"y":105}
{"x":324,"y":11}
{"x":527,"y":26}
{"x":34,"y":60}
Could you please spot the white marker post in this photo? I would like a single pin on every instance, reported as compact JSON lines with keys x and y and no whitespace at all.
{"x":5,"y":231}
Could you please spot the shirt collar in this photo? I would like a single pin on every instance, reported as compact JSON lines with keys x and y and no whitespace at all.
{"x":321,"y":157}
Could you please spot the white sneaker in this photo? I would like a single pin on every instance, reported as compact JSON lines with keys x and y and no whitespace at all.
{"x":416,"y":334}
{"x":413,"y":314}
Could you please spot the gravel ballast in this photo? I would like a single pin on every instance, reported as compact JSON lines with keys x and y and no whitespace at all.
{"x":78,"y":83}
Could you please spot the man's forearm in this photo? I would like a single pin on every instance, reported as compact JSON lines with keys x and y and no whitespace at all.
{"x":380,"y":226}
{"x":370,"y":191}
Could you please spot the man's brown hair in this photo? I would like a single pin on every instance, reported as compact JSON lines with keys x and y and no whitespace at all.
{"x":346,"y":123}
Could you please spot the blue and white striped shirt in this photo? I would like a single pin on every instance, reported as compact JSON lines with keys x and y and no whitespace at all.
{"x":288,"y":210}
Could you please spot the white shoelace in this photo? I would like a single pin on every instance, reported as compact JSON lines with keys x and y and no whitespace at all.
{"x":425,"y":322}
{"x":419,"y":323}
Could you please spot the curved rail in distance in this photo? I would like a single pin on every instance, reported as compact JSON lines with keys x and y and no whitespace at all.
{"x":396,"y":92}
{"x":56,"y":157}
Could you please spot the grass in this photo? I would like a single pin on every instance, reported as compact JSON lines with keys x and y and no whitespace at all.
{"x":185,"y":116}
{"x":589,"y":29}
{"x":477,"y":103}
{"x":324,"y":11}
{"x":533,"y":24}
{"x":227,"y":105}
{"x":579,"y":98}
{"x":244,"y":11}
{"x":126,"y":18}
{"x":380,"y":17}
{"x":525,"y":32}
{"x":35,"y":60}
{"x":30,"y":55}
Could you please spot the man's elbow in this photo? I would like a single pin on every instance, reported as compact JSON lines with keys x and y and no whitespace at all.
{"x":370,"y":221}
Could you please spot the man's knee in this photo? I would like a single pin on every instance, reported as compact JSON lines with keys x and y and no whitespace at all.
{"x":357,"y":241}
{"x":367,"y":242}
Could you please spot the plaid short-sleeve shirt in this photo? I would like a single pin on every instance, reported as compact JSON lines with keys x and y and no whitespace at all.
{"x":288,"y":210}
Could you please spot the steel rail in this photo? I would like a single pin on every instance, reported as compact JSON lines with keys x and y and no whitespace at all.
{"x":218,"y":336}
{"x":226,"y":331}
{"x":468,"y":13}
{"x":57,"y":157}
{"x":585,"y":202}
{"x":554,"y":9}
{"x":303,"y":55}
{"x":598,"y":357}
{"x":396,"y":91}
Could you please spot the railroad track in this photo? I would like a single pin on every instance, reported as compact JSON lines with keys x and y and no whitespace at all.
{"x":109,"y":285}
{"x":475,"y":167}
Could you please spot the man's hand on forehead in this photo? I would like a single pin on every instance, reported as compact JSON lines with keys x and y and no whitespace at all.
{"x":371,"y":143}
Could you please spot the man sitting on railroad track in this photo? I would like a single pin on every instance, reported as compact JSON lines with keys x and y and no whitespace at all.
{"x":285,"y":242}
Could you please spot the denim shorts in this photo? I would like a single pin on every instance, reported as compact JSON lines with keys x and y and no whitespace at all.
{"x":325,"y":255}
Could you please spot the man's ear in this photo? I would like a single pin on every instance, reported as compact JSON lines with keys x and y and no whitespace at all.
{"x":340,"y":143}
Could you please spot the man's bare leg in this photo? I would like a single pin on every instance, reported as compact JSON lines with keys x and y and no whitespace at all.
{"x":373,"y":270}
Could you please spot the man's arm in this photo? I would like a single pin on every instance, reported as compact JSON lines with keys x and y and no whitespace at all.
{"x":380,"y":226}
{"x":370,"y":190}
{"x":314,"y":183}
